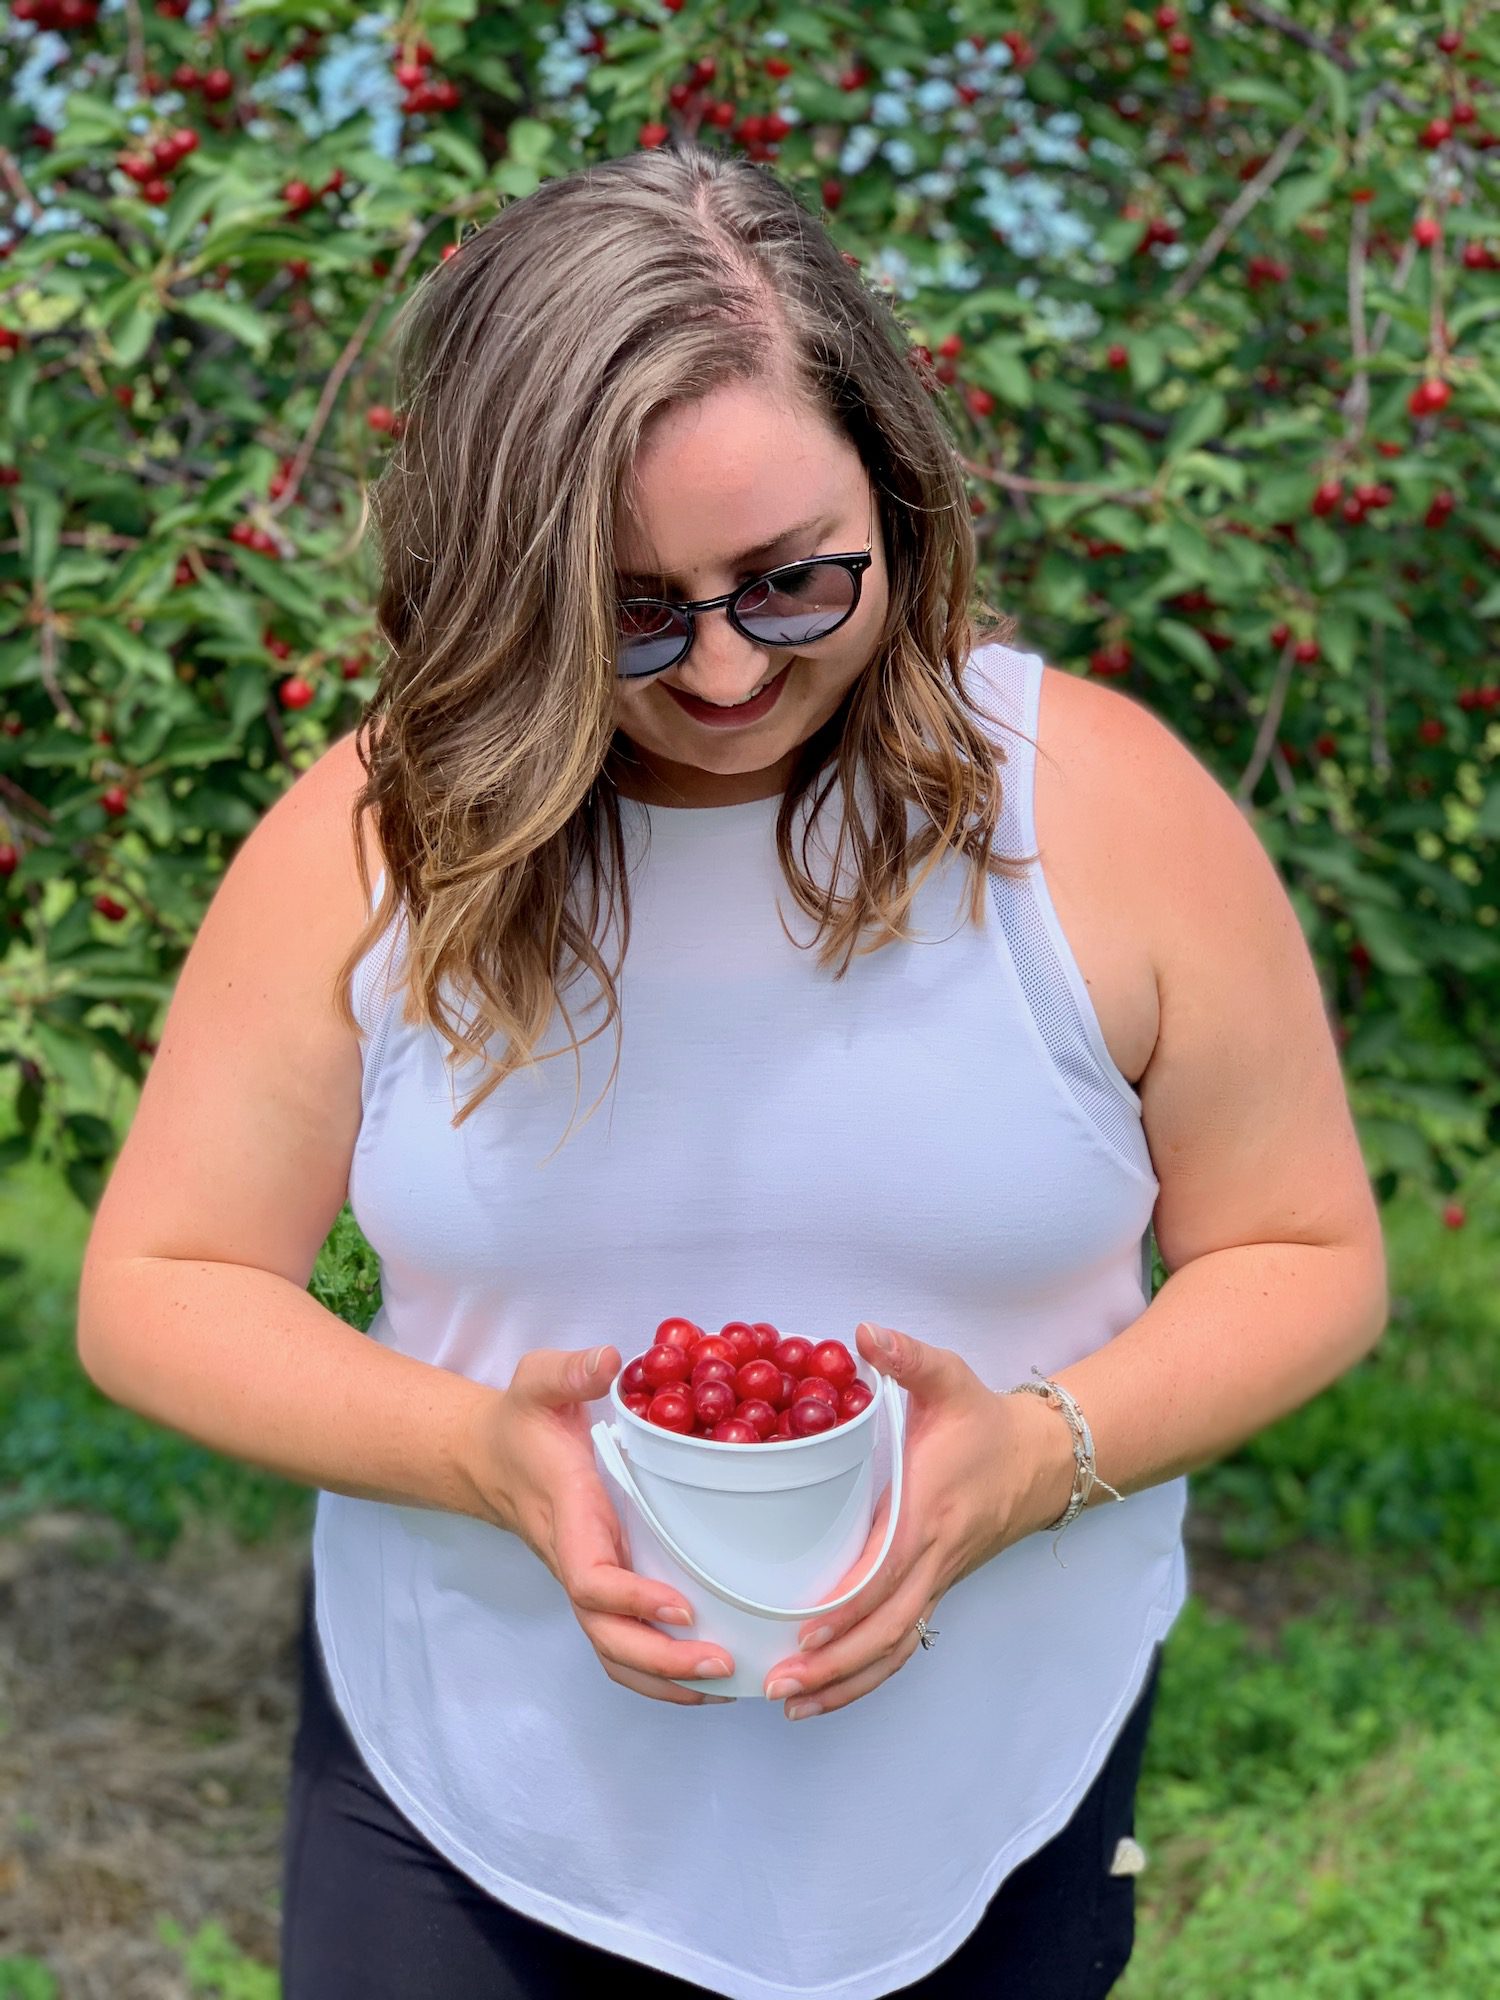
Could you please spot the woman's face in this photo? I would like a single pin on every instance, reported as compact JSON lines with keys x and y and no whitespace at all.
{"x":738,"y":471}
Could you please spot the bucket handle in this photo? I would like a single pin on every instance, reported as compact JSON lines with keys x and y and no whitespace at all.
{"x":606,"y":1440}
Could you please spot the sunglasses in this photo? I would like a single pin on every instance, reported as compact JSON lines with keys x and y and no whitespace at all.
{"x":795,"y":604}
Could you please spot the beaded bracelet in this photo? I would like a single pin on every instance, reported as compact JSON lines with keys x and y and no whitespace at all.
{"x":1085,"y":1478}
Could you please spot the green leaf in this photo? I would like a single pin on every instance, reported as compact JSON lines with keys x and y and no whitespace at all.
{"x":132,"y":651}
{"x":1487,"y":825}
{"x":1339,"y":636}
{"x":1148,"y":360}
{"x":250,"y":328}
{"x":459,"y":152}
{"x":45,"y":525}
{"x":1336,"y":83}
{"x":1297,"y":196}
{"x":1207,"y":418}
{"x":1191,"y":644}
{"x":129,"y":337}
{"x":1261,"y":90}
{"x":1389,"y":939}
{"x":529,"y":142}
{"x":68,"y":1054}
{"x":1190,"y":549}
{"x":999,"y":366}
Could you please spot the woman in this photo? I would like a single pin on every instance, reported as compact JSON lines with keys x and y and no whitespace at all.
{"x":757,"y":880}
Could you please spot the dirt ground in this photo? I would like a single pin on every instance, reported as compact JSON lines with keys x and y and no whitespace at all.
{"x":146,"y":1719}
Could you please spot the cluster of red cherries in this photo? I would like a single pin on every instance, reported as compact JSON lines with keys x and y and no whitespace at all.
{"x":745,"y":1384}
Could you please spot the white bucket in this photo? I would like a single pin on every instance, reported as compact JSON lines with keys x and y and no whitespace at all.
{"x":751,"y":1535}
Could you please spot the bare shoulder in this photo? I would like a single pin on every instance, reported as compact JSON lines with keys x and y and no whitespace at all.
{"x":315,"y":813}
{"x":1175,"y":840}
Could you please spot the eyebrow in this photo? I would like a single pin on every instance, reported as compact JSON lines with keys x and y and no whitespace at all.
{"x":808,"y":530}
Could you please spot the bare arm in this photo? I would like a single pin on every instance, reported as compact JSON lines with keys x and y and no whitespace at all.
{"x":193,"y":1307}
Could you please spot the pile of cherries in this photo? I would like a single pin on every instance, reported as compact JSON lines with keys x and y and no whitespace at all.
{"x":745,"y":1384}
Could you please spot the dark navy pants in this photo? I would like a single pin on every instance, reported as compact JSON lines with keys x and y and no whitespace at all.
{"x":371,"y":1910}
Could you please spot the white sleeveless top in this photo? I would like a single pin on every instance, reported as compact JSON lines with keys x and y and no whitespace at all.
{"x":939,"y":1141}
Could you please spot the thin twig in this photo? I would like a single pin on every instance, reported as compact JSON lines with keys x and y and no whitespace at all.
{"x":341,"y":367}
{"x":1380,"y":748}
{"x":1252,"y":192}
{"x":10,"y":172}
{"x":135,"y":35}
{"x":1270,"y":723}
{"x":47,"y":637}
{"x":1019,"y":482}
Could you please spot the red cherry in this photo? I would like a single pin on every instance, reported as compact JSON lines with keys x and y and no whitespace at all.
{"x":671,"y":1410}
{"x":790,"y":1384}
{"x":810,"y":1416}
{"x":114,"y":801}
{"x":639,"y":1403}
{"x":295,"y":692}
{"x":711,"y":1369}
{"x":677,"y":1333}
{"x":1427,"y":231}
{"x":741,"y":1337}
{"x":10,"y":859}
{"x":1455,"y":1215}
{"x":111,"y":911}
{"x":661,"y":1365}
{"x":217,"y":85}
{"x":1306,"y":651}
{"x":819,"y":1389}
{"x":1431,"y":730}
{"x":856,"y":1398}
{"x":980,"y":402}
{"x":767,"y":1339}
{"x":833,"y":1361}
{"x":652,"y":134}
{"x":713,"y":1347}
{"x":792,"y":1354}
{"x":758,"y":1378}
{"x":714,"y":1403}
{"x":633,"y":1378}
{"x":759,"y":1414}
{"x":784,"y":1426}
{"x":733,"y":1431}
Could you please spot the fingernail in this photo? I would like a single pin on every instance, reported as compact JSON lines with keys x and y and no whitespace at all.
{"x":705,"y":1699}
{"x":712,"y":1670}
{"x":819,"y":1638}
{"x":674,"y":1614}
{"x":799,"y":1709}
{"x":594,"y":1359}
{"x":881,"y":1337}
{"x":780,"y":1689}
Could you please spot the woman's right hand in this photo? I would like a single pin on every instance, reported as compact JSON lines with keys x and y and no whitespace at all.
{"x":535,"y":1460}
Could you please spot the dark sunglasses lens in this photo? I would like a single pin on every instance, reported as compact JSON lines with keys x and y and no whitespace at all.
{"x":794,"y":607}
{"x":791,"y":607}
{"x":650,"y":637}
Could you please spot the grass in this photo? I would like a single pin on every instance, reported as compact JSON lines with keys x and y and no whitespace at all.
{"x":1317,"y":1816}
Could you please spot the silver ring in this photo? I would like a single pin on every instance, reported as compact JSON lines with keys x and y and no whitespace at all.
{"x":926,"y":1634}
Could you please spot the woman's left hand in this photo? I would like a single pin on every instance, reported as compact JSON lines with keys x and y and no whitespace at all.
{"x":979,"y":1475}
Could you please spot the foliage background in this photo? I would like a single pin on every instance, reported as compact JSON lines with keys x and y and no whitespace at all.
{"x":1183,"y":281}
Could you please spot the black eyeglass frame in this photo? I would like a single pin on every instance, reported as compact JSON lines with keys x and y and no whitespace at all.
{"x":856,"y":563}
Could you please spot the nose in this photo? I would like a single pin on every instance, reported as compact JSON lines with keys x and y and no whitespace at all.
{"x":722,"y":664}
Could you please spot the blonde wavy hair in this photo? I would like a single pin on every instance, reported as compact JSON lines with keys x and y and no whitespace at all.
{"x":529,"y":367}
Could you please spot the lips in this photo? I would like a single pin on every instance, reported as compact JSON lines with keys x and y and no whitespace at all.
{"x":746,"y":712}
